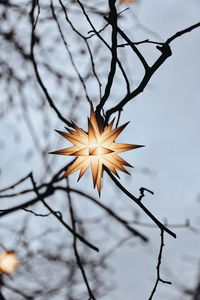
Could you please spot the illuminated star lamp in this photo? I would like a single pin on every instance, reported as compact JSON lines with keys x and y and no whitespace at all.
{"x":96,"y":149}
{"x":8,"y":262}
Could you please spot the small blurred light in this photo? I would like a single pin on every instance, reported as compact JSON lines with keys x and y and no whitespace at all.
{"x":127,"y":1}
{"x":8,"y":262}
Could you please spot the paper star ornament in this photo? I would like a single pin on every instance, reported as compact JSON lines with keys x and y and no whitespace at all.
{"x":96,"y":149}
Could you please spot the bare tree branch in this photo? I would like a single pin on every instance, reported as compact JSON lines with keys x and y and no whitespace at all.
{"x":165,"y":53}
{"x":139,"y":203}
{"x":78,"y":259}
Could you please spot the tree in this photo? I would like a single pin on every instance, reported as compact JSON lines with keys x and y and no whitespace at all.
{"x":58,"y":58}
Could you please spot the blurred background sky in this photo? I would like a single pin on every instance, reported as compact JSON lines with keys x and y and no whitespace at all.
{"x":165,"y":118}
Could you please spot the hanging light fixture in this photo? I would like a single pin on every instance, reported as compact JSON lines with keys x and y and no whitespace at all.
{"x":96,"y":149}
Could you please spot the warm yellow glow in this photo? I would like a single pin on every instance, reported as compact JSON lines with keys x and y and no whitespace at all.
{"x":128,"y":1}
{"x":8,"y":262}
{"x":95,"y":149}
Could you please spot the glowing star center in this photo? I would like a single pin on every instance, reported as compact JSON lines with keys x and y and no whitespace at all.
{"x":96,"y":149}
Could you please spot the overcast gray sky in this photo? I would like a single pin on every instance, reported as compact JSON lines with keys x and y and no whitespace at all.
{"x":165,"y":118}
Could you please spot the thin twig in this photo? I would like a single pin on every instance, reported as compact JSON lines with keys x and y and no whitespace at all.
{"x":36,"y":214}
{"x":58,"y":217}
{"x":165,"y":53}
{"x":69,"y":52}
{"x":147,"y":41}
{"x":112,"y":214}
{"x":105,"y":43}
{"x":16,"y":184}
{"x":76,"y":253}
{"x":139,"y":203}
{"x":85,"y":38}
{"x":132,"y":45}
{"x":158,"y":266}
{"x":39,"y":79}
